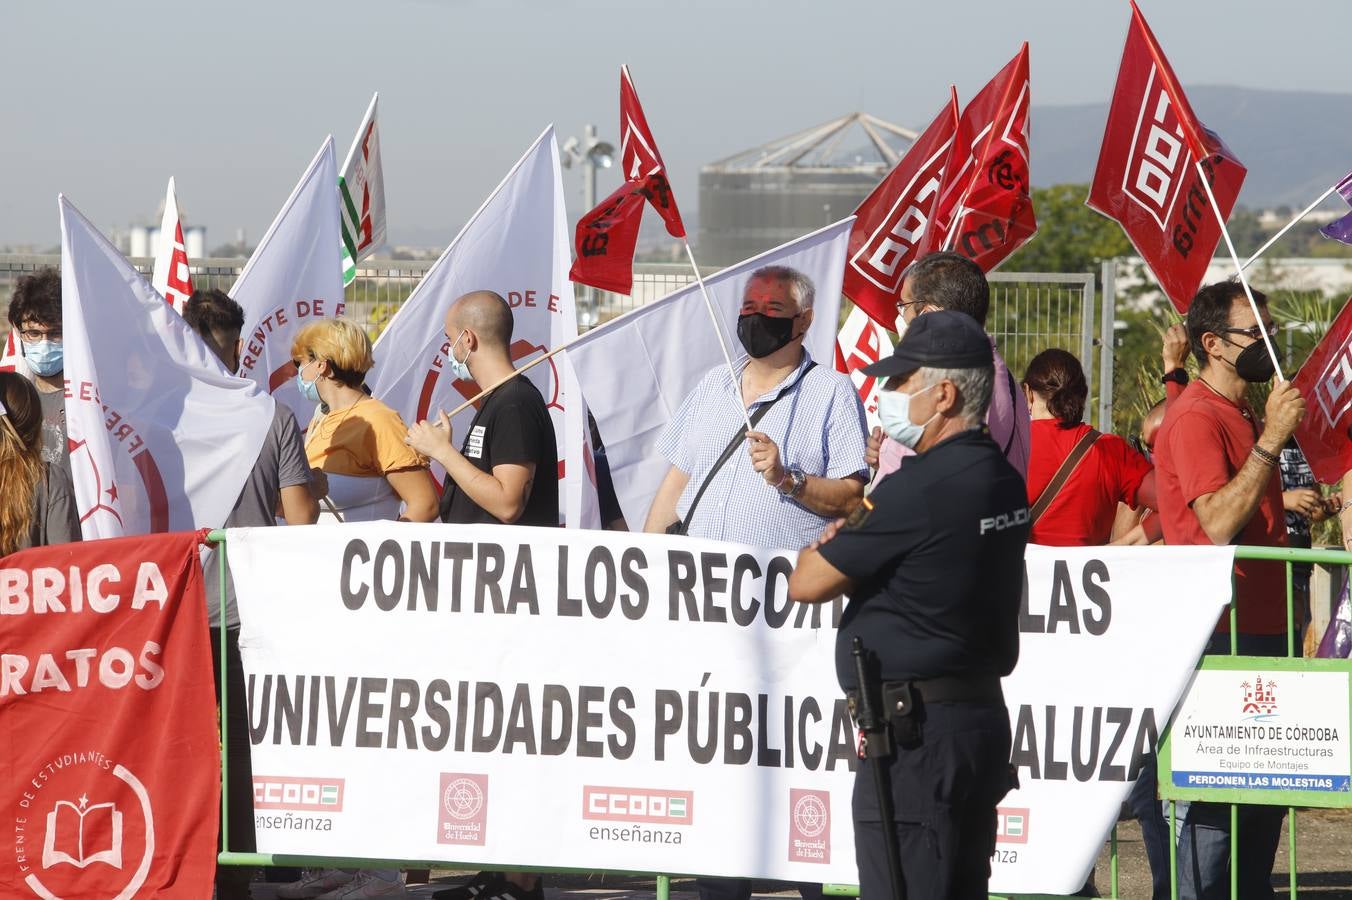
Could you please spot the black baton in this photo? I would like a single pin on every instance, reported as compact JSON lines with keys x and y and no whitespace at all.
{"x":873,"y":730}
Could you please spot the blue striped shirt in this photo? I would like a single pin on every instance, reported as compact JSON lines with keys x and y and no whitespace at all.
{"x":818,"y":426}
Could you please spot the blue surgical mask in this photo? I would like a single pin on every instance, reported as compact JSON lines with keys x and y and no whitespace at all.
{"x":308,"y":389}
{"x":894,"y":409}
{"x":460,"y":367}
{"x":44,"y":357}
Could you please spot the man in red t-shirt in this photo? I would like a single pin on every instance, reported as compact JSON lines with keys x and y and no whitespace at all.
{"x":1217,"y":478}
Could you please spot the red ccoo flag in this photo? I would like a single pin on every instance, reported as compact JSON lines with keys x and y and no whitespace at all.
{"x":606,"y":236}
{"x":1147,"y":177}
{"x":985,"y":209}
{"x":1325,"y":381}
{"x":890,"y":224}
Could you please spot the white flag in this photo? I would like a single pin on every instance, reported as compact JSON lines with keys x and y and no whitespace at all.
{"x":161,"y":437}
{"x":171,"y":277}
{"x":637,"y":369}
{"x":361,"y":187}
{"x":862,"y":342}
{"x":516,"y":245}
{"x":292,"y":279}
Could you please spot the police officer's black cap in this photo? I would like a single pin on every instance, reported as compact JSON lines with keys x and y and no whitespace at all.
{"x":943,"y":339}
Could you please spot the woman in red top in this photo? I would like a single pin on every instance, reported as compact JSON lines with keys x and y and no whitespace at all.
{"x":1081,"y":513}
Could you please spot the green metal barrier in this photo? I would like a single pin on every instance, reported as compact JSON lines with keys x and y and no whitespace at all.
{"x":1289,"y":556}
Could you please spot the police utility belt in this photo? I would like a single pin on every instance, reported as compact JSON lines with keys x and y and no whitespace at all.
{"x":902,"y":703}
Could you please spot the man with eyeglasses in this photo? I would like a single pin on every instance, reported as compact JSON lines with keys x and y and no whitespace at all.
{"x":1216,"y":464}
{"x":947,"y":280}
{"x":35,"y":313}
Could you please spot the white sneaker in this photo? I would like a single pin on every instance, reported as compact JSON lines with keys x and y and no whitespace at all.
{"x":314,"y":883}
{"x":368,"y":884}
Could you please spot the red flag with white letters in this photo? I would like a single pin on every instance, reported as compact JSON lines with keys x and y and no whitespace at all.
{"x":171,"y":276}
{"x":640,"y":161}
{"x":985,"y":209}
{"x":606,"y":236}
{"x":890,"y":224}
{"x":1325,"y":381}
{"x":110,"y":769}
{"x":862,"y":342}
{"x":1147,"y":178}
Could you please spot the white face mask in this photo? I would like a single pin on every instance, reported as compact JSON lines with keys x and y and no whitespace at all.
{"x":460,"y":367}
{"x":894,"y":409}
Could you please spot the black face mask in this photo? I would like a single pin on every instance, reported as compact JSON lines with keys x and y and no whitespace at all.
{"x":762,"y":335}
{"x":1254,"y":364}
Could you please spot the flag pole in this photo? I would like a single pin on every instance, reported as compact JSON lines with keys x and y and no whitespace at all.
{"x":718,"y":330}
{"x":1239,"y":269}
{"x":506,"y":378}
{"x":1289,"y":225}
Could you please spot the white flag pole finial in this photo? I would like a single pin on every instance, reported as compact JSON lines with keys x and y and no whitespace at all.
{"x":1239,"y":269}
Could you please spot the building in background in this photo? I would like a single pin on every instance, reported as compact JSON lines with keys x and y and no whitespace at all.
{"x":762,"y":197}
{"x":143,"y":240}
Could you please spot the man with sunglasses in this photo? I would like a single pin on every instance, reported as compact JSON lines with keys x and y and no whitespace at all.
{"x":951,"y":281}
{"x":1216,"y":463}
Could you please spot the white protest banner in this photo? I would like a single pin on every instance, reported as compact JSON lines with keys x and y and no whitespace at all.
{"x":516,"y":245}
{"x":862,"y":342}
{"x":171,"y":276}
{"x":361,"y":187}
{"x":293,"y":278}
{"x":600,"y":700}
{"x":161,"y":437}
{"x":637,"y":369}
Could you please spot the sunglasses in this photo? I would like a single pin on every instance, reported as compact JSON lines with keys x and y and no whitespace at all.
{"x":1254,"y":331}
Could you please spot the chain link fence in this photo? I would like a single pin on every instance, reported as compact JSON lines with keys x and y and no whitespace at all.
{"x":1029,"y":313}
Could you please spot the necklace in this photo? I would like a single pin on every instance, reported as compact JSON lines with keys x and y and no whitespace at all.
{"x":1242,"y":407}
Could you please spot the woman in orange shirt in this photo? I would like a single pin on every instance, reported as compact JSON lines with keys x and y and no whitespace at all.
{"x":358,"y":442}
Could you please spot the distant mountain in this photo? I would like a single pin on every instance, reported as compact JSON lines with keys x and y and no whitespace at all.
{"x":1294,"y":143}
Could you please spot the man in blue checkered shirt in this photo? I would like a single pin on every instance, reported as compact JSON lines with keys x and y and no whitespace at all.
{"x":802,"y":466}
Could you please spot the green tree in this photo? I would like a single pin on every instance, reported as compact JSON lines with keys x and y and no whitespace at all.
{"x":1071,"y":237}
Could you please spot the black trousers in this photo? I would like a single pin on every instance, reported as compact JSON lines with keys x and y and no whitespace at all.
{"x":945,"y":788}
{"x":238,"y":762}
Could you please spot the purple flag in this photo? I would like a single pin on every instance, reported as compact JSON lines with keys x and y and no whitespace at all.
{"x":1341,"y":229}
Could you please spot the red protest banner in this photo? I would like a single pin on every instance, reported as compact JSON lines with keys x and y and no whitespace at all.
{"x":1147,"y":177}
{"x":1325,"y":381}
{"x":109,"y":754}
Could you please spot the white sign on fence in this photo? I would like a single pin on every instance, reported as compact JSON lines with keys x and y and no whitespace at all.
{"x":583,"y":699}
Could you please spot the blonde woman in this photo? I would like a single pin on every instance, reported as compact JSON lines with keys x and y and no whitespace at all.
{"x":37,"y":500}
{"x":358,"y":442}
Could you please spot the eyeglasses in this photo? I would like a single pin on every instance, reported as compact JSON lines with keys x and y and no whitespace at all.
{"x":34,"y":335}
{"x":1254,"y":331}
{"x":902,"y":304}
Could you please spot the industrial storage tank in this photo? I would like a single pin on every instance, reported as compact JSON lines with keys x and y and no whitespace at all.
{"x":767,"y":195}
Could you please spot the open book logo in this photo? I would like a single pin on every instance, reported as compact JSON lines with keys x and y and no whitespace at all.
{"x":83,"y":834}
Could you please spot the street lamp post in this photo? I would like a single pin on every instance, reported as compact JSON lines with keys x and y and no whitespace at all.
{"x":590,"y":154}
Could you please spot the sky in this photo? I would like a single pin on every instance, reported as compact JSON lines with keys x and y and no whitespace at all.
{"x":104,"y":101}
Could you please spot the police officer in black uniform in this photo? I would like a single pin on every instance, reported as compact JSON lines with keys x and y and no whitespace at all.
{"x":932,"y":562}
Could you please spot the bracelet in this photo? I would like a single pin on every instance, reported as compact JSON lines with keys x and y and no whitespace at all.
{"x":1265,"y":456}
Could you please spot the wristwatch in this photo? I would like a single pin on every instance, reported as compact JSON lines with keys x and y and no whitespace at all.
{"x":795,"y":478}
{"x":1179,"y":375}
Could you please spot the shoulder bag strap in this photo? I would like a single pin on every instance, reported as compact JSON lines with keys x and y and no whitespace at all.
{"x":1068,"y":466}
{"x":732,"y":447}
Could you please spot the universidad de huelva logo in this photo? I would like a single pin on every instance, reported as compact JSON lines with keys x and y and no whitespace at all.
{"x":1260,"y":698}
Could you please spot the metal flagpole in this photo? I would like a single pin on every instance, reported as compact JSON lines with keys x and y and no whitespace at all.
{"x":1229,"y":245}
{"x":1289,"y":225}
{"x":718,"y":330}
